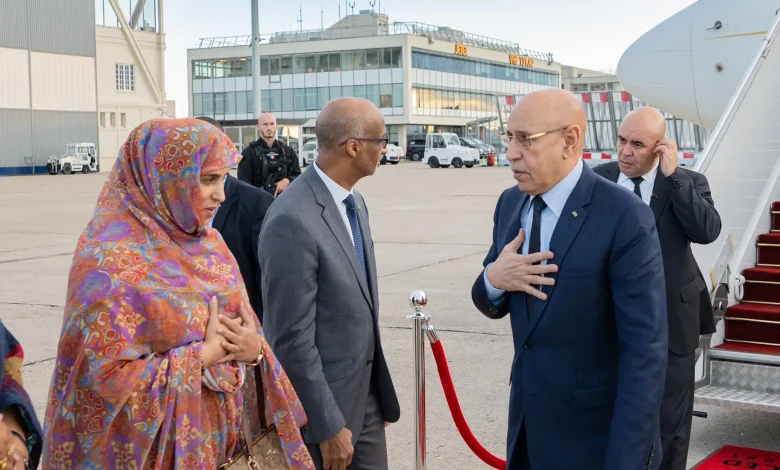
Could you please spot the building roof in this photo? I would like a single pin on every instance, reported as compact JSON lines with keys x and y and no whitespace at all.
{"x":370,"y":24}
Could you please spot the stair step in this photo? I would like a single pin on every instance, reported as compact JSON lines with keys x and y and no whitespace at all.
{"x":743,"y":376}
{"x":742,"y":352}
{"x":733,"y":398}
{"x":750,"y":377}
{"x":775,"y":216}
{"x":772,"y":237}
{"x":753,"y":323}
{"x":762,"y":284}
{"x":762,"y":273}
{"x":768,"y":246}
{"x":753,"y":311}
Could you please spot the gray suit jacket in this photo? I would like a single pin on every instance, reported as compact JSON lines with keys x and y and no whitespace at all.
{"x":320,"y":315}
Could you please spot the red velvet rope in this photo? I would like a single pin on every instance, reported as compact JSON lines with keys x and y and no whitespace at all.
{"x":457,"y":413}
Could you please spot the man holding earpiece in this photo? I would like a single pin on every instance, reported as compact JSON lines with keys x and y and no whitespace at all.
{"x":685,"y":213}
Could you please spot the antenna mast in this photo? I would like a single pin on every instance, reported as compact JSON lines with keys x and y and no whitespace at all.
{"x":300,"y":18}
{"x":352,"y":5}
{"x":372,"y":5}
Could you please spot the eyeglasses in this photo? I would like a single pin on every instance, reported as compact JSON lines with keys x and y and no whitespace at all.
{"x":384,"y":140}
{"x":525,"y":140}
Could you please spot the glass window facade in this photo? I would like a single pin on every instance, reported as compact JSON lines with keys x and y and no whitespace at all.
{"x":298,"y":99}
{"x":430,"y":102}
{"x":483,"y":68}
{"x":222,"y":68}
{"x":344,"y":61}
{"x":310,"y":98}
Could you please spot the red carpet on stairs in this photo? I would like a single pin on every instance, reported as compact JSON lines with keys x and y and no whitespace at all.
{"x":755,"y":322}
{"x":731,"y":457}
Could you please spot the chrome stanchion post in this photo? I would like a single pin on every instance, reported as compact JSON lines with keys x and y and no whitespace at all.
{"x":418,"y":301}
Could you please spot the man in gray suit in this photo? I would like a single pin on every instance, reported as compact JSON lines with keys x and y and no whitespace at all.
{"x":320,"y":293}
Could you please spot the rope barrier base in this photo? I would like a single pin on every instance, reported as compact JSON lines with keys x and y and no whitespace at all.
{"x":457,"y":413}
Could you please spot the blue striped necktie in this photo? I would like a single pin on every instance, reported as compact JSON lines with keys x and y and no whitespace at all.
{"x":356,"y":235}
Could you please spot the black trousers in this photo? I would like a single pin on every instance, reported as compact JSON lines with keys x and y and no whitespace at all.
{"x":677,"y":410}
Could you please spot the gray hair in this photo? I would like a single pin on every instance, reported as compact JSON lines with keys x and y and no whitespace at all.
{"x":334,"y":130}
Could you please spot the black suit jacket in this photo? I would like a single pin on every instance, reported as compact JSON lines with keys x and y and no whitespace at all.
{"x":239,"y":220}
{"x":684,"y":213}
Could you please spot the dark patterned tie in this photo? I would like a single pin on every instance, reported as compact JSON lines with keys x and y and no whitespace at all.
{"x":353,"y":223}
{"x":535,"y":243}
{"x":637,"y":181}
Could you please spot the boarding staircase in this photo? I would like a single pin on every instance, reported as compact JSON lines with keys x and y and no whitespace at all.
{"x":739,"y":365}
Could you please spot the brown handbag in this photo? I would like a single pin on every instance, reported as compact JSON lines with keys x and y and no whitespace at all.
{"x":266,"y":451}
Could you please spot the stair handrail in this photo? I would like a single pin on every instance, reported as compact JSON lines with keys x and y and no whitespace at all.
{"x":746,"y":241}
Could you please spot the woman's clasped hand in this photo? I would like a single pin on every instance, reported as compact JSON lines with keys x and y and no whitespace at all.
{"x":231,"y":339}
{"x":13,"y":452}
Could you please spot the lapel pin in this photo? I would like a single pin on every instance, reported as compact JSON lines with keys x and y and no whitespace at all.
{"x":574,"y":213}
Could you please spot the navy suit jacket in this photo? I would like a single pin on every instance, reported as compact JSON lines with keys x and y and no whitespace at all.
{"x":239,"y":220}
{"x":589,"y":365}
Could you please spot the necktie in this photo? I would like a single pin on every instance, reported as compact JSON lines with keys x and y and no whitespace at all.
{"x":535,"y":243}
{"x":353,"y":223}
{"x":637,"y":181}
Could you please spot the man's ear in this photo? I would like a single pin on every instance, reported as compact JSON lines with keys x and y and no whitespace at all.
{"x":352,"y":148}
{"x":571,"y":137}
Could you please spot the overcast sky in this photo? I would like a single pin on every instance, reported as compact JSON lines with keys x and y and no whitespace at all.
{"x":587,"y":33}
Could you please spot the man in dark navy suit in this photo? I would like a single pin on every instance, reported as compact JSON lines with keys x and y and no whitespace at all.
{"x":576,"y":263}
{"x":685,"y":213}
{"x":239,"y":220}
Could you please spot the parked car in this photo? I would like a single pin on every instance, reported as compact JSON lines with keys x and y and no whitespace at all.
{"x":415,"y":148}
{"x":469,"y":142}
{"x":394,"y":155}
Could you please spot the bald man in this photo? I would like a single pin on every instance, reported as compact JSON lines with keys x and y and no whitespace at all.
{"x":321,"y":294}
{"x":269,"y":163}
{"x":685,"y":213}
{"x":576,"y":264}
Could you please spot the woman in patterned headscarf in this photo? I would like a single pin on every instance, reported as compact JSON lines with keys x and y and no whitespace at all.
{"x":20,"y":432}
{"x":143,"y":378}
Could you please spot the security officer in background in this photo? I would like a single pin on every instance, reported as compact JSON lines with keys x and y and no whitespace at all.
{"x":269,"y":163}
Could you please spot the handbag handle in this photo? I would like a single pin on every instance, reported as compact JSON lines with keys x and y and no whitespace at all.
{"x":260,"y":397}
{"x":245,"y":427}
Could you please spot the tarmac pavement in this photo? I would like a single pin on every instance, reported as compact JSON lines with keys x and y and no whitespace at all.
{"x":432,"y":229}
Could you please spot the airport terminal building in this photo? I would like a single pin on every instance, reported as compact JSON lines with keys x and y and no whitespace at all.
{"x":423,"y":78}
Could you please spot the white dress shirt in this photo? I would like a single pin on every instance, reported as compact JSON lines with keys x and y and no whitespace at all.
{"x":339,"y":194}
{"x":555,"y":199}
{"x":645,"y":187}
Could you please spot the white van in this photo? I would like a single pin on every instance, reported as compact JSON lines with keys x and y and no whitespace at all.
{"x":308,"y":153}
{"x":444,"y":149}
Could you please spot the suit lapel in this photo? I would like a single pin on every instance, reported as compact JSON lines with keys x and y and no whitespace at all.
{"x":613,"y":172}
{"x":332,"y":217}
{"x":569,"y":224}
{"x":660,"y":196}
{"x":516,"y":224}
{"x":225,"y":207}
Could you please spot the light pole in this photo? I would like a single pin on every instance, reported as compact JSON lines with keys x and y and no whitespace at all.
{"x":256,"y":59}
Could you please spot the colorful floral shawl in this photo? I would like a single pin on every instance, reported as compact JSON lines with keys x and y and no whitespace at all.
{"x":12,"y":393}
{"x":128,"y":389}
